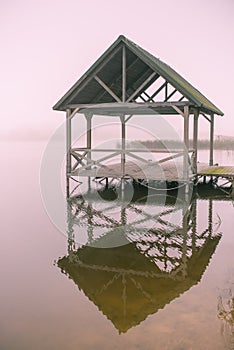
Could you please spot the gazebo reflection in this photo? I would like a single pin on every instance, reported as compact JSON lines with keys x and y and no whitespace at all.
{"x":131,"y":281}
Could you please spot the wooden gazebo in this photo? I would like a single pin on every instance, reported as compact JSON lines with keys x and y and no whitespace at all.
{"x":118,"y":84}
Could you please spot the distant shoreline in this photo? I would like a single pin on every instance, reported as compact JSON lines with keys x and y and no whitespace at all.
{"x":174,"y":144}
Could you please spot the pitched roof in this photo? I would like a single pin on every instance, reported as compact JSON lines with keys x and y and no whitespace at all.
{"x":140,"y":65}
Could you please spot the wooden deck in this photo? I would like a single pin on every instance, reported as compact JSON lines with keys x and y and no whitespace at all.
{"x":168,"y":171}
{"x":218,"y":171}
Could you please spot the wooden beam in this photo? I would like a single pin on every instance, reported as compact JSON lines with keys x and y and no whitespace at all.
{"x":157,"y":92}
{"x":170,"y":157}
{"x":68,"y":150}
{"x":123,"y":137}
{"x":91,"y":76}
{"x":89,"y":136}
{"x":124,"y":74}
{"x":141,"y":86}
{"x":136,"y":150}
{"x":211,"y":162}
{"x":134,"y":104}
{"x":195,"y":136}
{"x":186,"y":143}
{"x":177,"y":109}
{"x":115,"y":80}
{"x":171,"y":94}
{"x":74,"y":112}
{"x":205,"y":116}
{"x":128,"y":118}
{"x":166,"y":91}
{"x":107,"y":88}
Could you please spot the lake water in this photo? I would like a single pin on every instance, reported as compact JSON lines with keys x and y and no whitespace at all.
{"x":171,"y":287}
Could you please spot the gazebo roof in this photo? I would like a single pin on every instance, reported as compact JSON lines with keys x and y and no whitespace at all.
{"x":102,"y":84}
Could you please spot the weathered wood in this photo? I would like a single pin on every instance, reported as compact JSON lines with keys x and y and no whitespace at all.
{"x":157,"y":92}
{"x":178,"y":110}
{"x":116,"y":79}
{"x":130,"y":154}
{"x":186,"y":142}
{"x":167,"y":171}
{"x":205,"y":116}
{"x":170,"y":95}
{"x":166,"y":91}
{"x":68,"y":150}
{"x":141,"y":86}
{"x":219,"y":171}
{"x":86,"y":79}
{"x":107,"y":88}
{"x":211,"y":162}
{"x":195,"y":135}
{"x":99,"y":161}
{"x":135,"y":150}
{"x":124,"y":73}
{"x":123,"y":144}
{"x":89,"y":136}
{"x":133,"y":105}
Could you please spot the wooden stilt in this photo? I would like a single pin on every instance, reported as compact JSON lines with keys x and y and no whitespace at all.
{"x":211,"y":139}
{"x":68,"y":151}
{"x":195,"y":134}
{"x":123,"y":144}
{"x":186,"y":149}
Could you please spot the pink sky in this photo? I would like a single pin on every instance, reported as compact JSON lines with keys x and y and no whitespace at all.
{"x":47,"y":45}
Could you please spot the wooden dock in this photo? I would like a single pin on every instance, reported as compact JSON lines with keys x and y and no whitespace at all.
{"x":218,"y":171}
{"x":168,"y":171}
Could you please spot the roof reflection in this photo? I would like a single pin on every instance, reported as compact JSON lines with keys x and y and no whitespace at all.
{"x":150,"y":269}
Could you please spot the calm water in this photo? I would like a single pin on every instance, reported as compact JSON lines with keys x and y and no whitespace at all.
{"x":171,"y":287}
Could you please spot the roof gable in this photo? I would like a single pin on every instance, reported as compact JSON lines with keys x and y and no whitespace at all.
{"x":102,"y":83}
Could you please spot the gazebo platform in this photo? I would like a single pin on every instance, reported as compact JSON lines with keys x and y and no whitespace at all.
{"x":168,"y":171}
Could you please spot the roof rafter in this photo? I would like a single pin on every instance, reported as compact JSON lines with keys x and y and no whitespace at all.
{"x":124,"y":78}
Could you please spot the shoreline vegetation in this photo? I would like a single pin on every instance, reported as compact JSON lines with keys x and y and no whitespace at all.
{"x":219,"y":144}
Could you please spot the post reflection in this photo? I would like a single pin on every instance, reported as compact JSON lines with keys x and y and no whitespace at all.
{"x":154,"y":266}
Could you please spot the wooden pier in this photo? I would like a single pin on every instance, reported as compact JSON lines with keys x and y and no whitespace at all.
{"x":218,"y":171}
{"x":126,"y":82}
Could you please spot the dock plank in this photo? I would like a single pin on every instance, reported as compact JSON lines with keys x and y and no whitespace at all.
{"x":219,"y":171}
{"x":168,"y":171}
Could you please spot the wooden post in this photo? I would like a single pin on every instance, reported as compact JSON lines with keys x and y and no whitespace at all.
{"x":211,"y":139}
{"x":124,"y":74}
{"x":195,"y":134}
{"x":186,"y":148}
{"x":68,"y":151}
{"x":88,"y":117}
{"x":123,"y":147}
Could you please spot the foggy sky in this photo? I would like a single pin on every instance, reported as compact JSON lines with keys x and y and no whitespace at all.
{"x":47,"y":45}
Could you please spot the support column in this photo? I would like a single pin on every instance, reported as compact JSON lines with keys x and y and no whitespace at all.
{"x":195,"y":134}
{"x":68,"y":151}
{"x":124,"y":73}
{"x":211,"y":139}
{"x":88,"y":117}
{"x":123,"y":148}
{"x":186,"y":148}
